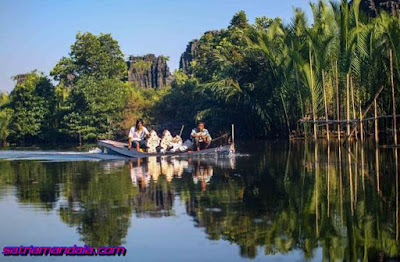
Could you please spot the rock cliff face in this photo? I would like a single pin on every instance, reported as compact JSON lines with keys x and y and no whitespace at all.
{"x":373,"y":7}
{"x":149,"y":71}
{"x":188,"y":56}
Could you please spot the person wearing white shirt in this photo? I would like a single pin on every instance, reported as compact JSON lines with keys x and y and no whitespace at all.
{"x":201,"y":137}
{"x":137,"y":136}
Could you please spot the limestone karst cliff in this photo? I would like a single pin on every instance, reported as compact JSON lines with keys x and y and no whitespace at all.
{"x":188,"y":56}
{"x":373,"y":7}
{"x":149,"y":71}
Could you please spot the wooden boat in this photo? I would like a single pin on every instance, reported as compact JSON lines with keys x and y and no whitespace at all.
{"x":122,"y":149}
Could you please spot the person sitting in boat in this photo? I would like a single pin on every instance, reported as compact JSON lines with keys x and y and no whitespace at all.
{"x":137,"y":136}
{"x":201,"y":137}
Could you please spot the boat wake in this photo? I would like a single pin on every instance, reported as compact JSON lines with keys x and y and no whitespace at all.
{"x":94,"y":154}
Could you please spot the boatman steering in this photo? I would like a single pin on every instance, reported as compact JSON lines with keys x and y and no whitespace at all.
{"x":137,"y":136}
{"x":201,"y":137}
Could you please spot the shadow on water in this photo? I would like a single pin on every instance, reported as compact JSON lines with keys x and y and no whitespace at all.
{"x":283,"y":197}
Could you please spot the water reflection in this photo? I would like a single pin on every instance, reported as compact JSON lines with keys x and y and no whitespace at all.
{"x":284,"y":197}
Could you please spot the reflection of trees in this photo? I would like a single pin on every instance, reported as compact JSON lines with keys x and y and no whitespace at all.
{"x":35,"y":183}
{"x":98,"y":204}
{"x":295,"y":196}
{"x":299,"y":205}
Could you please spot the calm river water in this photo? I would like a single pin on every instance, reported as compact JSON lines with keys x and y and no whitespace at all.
{"x":281,"y":201}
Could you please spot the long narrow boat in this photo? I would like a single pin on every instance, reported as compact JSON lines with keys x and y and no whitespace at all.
{"x":122,"y":149}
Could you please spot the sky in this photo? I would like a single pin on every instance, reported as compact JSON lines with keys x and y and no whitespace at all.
{"x":35,"y":34}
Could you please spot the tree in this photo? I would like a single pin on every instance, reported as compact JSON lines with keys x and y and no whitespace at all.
{"x":93,"y":73}
{"x":263,"y":22}
{"x":94,"y":108}
{"x":5,"y":118}
{"x":91,"y":55}
{"x":239,"y":20}
{"x":32,"y":103}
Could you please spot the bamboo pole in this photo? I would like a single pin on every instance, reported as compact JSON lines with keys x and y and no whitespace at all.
{"x":233,"y":134}
{"x":316,"y":166}
{"x":348,"y":104}
{"x":326,"y":107}
{"x":393,"y":98}
{"x":363,"y":168}
{"x":351,"y":183}
{"x":313,"y":98}
{"x":378,"y":188}
{"x":396,"y":159}
{"x":328,"y":177}
{"x":367,"y":110}
{"x":340,"y":183}
{"x":337,"y":101}
{"x":180,"y":133}
{"x":361,"y":125}
{"x":356,"y":176}
{"x":376,"y":122}
{"x":353,"y":104}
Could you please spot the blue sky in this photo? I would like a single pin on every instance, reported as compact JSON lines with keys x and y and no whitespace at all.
{"x":35,"y":34}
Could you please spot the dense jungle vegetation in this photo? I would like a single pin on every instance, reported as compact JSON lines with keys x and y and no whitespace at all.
{"x":263,"y":77}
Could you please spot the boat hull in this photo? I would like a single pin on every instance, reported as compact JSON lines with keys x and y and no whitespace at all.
{"x":122,"y":149}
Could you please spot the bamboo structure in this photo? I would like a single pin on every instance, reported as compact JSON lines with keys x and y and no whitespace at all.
{"x":368,"y":108}
{"x":353,"y":124}
{"x":340,"y":183}
{"x":348,"y":105}
{"x":233,"y":134}
{"x":393,"y":98}
{"x":316,"y":167}
{"x":376,"y":122}
{"x":354,"y":121}
{"x":361,"y":125}
{"x":337,"y":101}
{"x":326,"y":107}
{"x":353,"y":104}
{"x":396,"y":161}
{"x":351,"y":182}
{"x":378,"y":188}
{"x":363,"y":168}
{"x":180,"y":133}
{"x":312,"y":88}
{"x":328,"y":177}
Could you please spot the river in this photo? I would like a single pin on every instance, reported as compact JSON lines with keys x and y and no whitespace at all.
{"x":274,"y":201}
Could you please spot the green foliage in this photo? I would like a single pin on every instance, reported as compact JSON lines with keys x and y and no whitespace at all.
{"x":95,"y":108}
{"x":142,"y":65}
{"x":274,"y":74}
{"x":91,"y":55}
{"x":263,"y":22}
{"x":5,"y":118}
{"x":142,"y":103}
{"x":32,"y":102}
{"x":4,"y":99}
{"x":239,"y":20}
{"x":232,"y":83}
